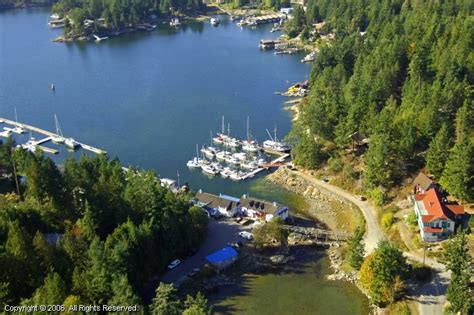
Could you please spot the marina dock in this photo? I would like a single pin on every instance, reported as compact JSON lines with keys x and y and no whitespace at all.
{"x":49,"y":136}
{"x":274,"y":163}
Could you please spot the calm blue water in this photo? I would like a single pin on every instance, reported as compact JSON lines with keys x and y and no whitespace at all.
{"x":147,"y":98}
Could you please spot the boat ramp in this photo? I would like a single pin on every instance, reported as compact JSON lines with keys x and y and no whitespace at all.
{"x":50,"y":136}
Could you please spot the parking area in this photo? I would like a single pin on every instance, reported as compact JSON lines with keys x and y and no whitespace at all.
{"x":220,"y":233}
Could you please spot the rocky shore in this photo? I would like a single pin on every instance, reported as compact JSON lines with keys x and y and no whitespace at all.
{"x":336,"y":213}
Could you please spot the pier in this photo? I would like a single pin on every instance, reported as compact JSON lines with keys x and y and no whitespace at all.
{"x":49,"y":136}
{"x":274,"y":163}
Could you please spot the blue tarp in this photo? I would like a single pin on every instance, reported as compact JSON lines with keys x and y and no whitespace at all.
{"x":223,"y":255}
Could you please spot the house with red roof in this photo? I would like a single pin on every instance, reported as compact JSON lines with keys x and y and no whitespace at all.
{"x":437,"y":218}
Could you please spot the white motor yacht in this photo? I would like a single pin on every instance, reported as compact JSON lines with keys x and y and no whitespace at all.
{"x":194,"y":163}
{"x":71,"y":143}
{"x":209,"y":170}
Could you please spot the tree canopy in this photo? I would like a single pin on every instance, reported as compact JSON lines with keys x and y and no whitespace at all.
{"x":91,"y":233}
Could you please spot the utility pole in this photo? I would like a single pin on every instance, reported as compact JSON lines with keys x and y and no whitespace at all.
{"x":424,"y":253}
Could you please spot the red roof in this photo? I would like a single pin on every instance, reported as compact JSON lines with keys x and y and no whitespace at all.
{"x":430,"y":229}
{"x":436,"y":208}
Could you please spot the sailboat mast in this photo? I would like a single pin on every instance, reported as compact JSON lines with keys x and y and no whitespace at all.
{"x":197,"y":151}
{"x":275,"y":134}
{"x":223,"y":128}
{"x":16,"y":115}
{"x":228,"y":129}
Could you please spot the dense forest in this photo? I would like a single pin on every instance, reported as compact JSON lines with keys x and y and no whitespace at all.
{"x":400,"y":72}
{"x":90,"y":233}
{"x":118,"y":14}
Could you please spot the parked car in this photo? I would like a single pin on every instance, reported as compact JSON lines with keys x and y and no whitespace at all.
{"x":325,"y":180}
{"x":361,"y":198}
{"x":174,"y":264}
{"x":246,"y":235}
{"x":193,"y":272}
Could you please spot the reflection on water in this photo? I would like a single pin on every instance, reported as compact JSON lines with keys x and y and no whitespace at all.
{"x":299,"y":289}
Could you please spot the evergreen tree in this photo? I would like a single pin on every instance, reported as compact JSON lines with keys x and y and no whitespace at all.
{"x":356,"y":249}
{"x":165,"y":301}
{"x":381,"y":163}
{"x":438,"y":151}
{"x":197,"y":305}
{"x":18,"y":243}
{"x":307,"y":152}
{"x":458,"y":175}
{"x":53,"y":291}
{"x":458,"y":260}
{"x":123,"y":293}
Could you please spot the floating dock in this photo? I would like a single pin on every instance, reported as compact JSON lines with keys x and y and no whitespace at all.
{"x":49,"y":136}
{"x":274,"y":163}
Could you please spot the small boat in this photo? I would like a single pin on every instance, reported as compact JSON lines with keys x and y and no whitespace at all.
{"x":232,"y":160}
{"x":252,"y":165}
{"x":194,"y":163}
{"x":233,"y":143}
{"x":274,"y":144}
{"x":218,"y":140}
{"x":235,"y":175}
{"x":99,"y":39}
{"x":71,"y":143}
{"x":225,"y":173}
{"x":250,"y":148}
{"x":209,"y":152}
{"x":217,"y":166}
{"x":19,"y":130}
{"x":215,"y":21}
{"x":223,"y":155}
{"x":209,"y":170}
{"x":175,"y":22}
{"x":309,"y":57}
{"x":55,"y":16}
{"x":5,"y":133}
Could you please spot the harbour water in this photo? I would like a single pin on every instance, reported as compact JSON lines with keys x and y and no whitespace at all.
{"x":149,"y":98}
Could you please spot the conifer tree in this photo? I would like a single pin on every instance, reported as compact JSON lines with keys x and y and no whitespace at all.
{"x":438,"y":151}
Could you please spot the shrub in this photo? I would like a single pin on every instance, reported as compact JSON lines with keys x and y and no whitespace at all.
{"x":387,"y":220}
{"x":378,"y":196}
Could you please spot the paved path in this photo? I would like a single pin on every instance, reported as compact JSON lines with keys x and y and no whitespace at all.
{"x":373,"y":232}
{"x":431,"y":296}
{"x":219,"y":234}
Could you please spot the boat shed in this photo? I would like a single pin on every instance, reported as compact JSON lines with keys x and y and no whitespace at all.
{"x":222,"y":258}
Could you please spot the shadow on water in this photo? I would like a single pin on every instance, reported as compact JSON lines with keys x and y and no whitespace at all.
{"x":297,"y":288}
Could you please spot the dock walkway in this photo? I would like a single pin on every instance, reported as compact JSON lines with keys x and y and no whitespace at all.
{"x":49,"y":136}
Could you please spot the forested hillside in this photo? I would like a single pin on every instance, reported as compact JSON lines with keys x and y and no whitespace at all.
{"x":118,"y":13}
{"x":402,"y":73}
{"x":90,"y":234}
{"x":7,"y":4}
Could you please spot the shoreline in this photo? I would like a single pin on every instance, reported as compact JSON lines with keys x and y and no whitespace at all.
{"x":144,"y":26}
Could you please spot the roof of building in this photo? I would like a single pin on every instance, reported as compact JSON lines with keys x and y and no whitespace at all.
{"x":214,"y":201}
{"x":222,"y":255}
{"x":423,"y":180}
{"x":429,"y":229}
{"x":433,"y":207}
{"x":259,"y":205}
{"x":359,"y":137}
